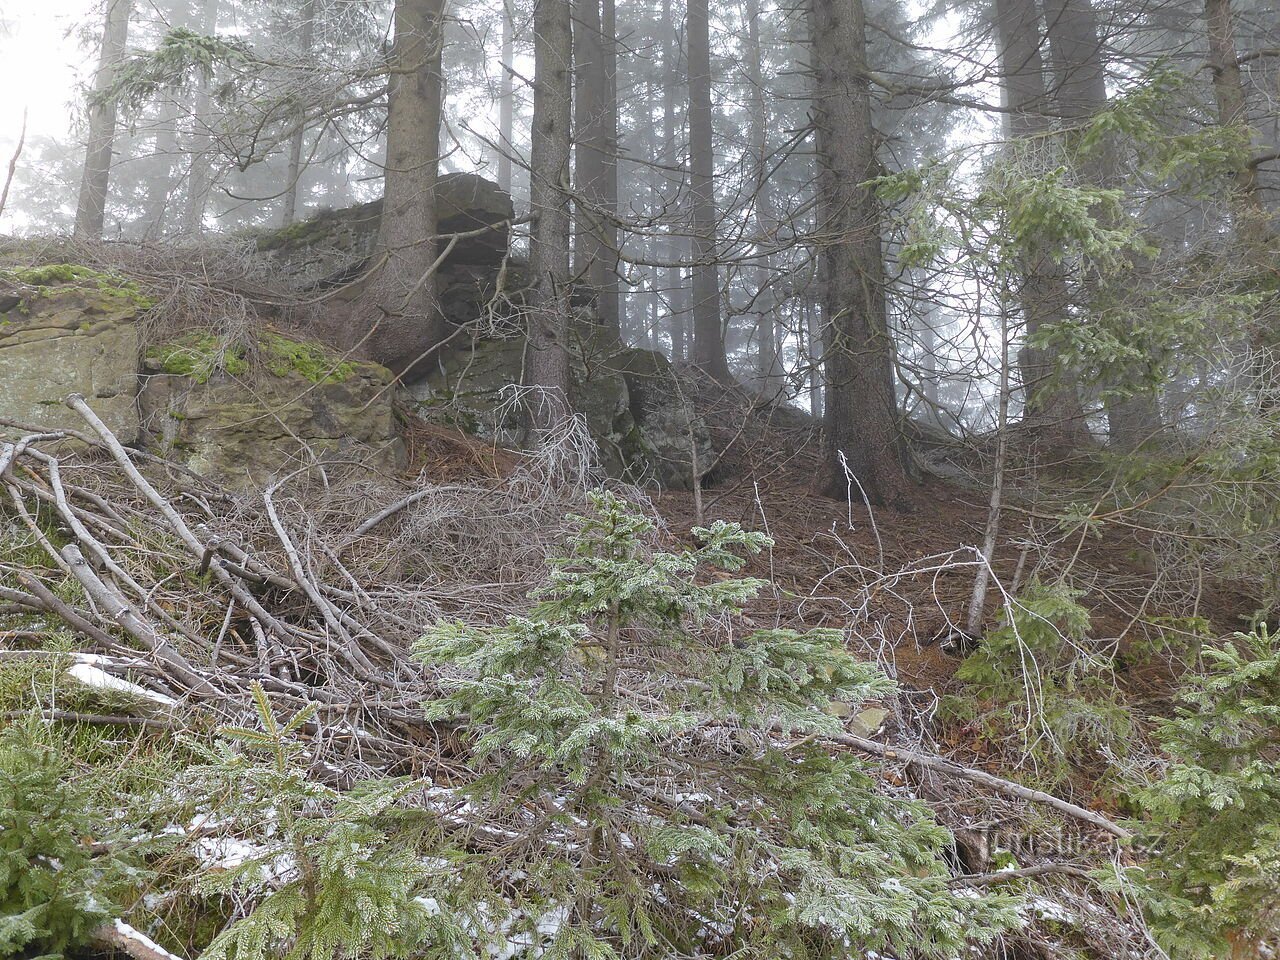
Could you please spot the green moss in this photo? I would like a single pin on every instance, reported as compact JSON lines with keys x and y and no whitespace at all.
{"x":203,"y":355}
{"x":116,"y":289}
{"x":200,"y":356}
{"x":296,"y":234}
{"x":309,"y":360}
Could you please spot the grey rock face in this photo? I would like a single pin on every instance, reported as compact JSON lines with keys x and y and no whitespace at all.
{"x":630,"y":398}
{"x":64,"y":334}
{"x":251,"y":427}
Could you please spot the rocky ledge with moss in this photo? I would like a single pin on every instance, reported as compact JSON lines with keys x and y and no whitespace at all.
{"x":250,"y":412}
{"x":69,"y":329}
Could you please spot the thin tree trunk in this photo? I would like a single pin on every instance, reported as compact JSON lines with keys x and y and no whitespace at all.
{"x":708,"y":334}
{"x":861,"y":417}
{"x":978,"y":599}
{"x":305,"y":47}
{"x":548,"y":359}
{"x":813,"y":328}
{"x":200,"y":174}
{"x":91,"y":210}
{"x":407,"y":323}
{"x":675,"y":247}
{"x":506,"y":98}
{"x":768,"y":366}
{"x":607,"y":281}
{"x":160,"y":184}
{"x":595,"y":237}
{"x":1052,"y":409}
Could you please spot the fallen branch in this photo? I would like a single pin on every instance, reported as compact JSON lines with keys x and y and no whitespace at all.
{"x":998,"y":784}
{"x":118,"y":935}
{"x":1023,"y":873}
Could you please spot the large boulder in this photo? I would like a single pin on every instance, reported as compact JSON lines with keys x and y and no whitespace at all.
{"x":332,"y":245}
{"x":632,"y":400}
{"x":250,"y":415}
{"x":69,"y":329}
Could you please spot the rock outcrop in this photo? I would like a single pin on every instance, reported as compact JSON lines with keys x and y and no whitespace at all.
{"x":631,"y":399}
{"x":68,"y":329}
{"x":331,"y":245}
{"x":262,"y":407}
{"x":247,"y":419}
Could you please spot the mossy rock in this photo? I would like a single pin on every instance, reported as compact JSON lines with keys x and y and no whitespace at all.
{"x":629,"y":398}
{"x":69,"y":329}
{"x":201,"y":356}
{"x":214,"y":409}
{"x":57,"y":279}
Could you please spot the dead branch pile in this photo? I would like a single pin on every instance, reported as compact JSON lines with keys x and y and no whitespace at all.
{"x":317,"y":587}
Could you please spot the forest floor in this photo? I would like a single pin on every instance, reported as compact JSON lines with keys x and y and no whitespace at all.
{"x":899,"y":578}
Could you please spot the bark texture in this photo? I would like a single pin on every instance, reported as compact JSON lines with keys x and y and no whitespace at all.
{"x":406,"y":323}
{"x":861,"y":415}
{"x":548,"y":359}
{"x":91,"y":209}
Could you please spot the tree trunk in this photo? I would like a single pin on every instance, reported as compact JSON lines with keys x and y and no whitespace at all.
{"x":595,"y":237}
{"x":200,"y":174}
{"x":506,"y":98}
{"x":91,"y":210}
{"x":406,"y":322}
{"x":548,"y":359}
{"x":1052,"y":409}
{"x":861,"y":417}
{"x":608,"y":269}
{"x":1080,"y":93}
{"x":675,"y":248}
{"x":768,"y":365}
{"x":708,"y":335}
{"x":305,"y":48}
{"x":1253,"y":226}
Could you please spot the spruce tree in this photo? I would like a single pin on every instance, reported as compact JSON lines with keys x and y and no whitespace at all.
{"x":648,"y":764}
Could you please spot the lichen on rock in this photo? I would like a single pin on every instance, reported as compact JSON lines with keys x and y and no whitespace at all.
{"x":204,"y":404}
{"x":65,"y":329}
{"x":631,"y":399}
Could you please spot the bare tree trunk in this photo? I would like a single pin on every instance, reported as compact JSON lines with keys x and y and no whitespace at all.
{"x":978,"y":599}
{"x":305,"y":47}
{"x":675,"y":248}
{"x":1052,"y":409}
{"x":813,"y":328}
{"x":708,"y":335}
{"x":406,"y":322}
{"x":861,"y":417}
{"x":91,"y":210}
{"x":1252,"y":220}
{"x":200,"y":174}
{"x":595,"y":237}
{"x":506,"y":98}
{"x":608,"y":269}
{"x":1080,"y":93}
{"x":768,"y":365}
{"x":548,"y":359}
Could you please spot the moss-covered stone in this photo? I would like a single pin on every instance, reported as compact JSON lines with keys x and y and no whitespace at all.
{"x":69,"y":329}
{"x":202,"y":356}
{"x":302,"y":405}
{"x":45,"y":279}
{"x":199,"y":356}
{"x":311,"y":361}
